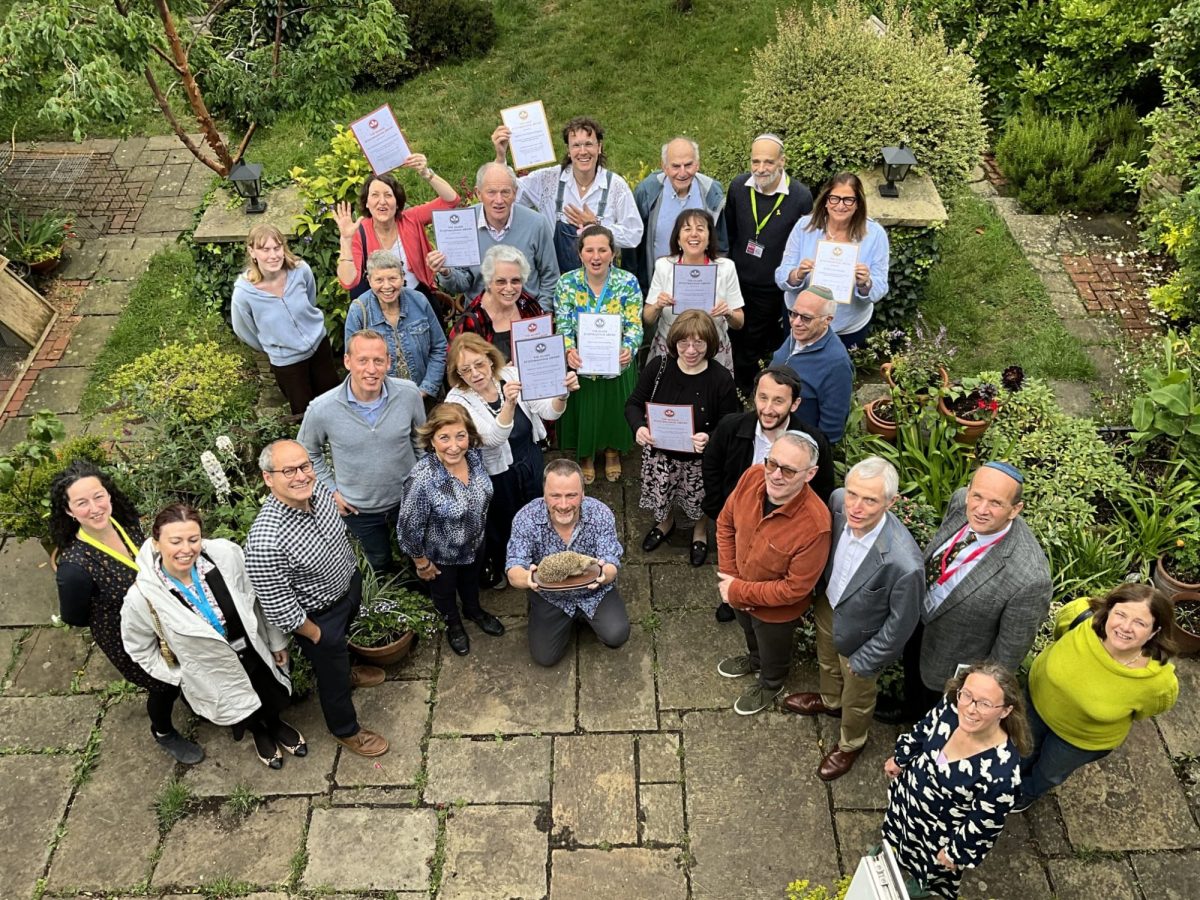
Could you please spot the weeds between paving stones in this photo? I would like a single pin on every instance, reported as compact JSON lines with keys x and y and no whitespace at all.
{"x":173,"y":802}
{"x":242,"y":801}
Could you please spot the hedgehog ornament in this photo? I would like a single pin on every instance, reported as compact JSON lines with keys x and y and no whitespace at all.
{"x":558,"y":567}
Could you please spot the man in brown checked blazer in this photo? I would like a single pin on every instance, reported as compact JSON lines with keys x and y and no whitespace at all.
{"x":988,"y":590}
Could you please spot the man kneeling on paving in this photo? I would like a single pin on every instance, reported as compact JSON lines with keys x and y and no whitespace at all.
{"x":773,"y":540}
{"x":565,"y":520}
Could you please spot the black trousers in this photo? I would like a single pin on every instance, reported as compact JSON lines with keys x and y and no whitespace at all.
{"x":770,"y":646}
{"x":760,"y":336}
{"x":301,"y":382}
{"x":330,"y":659}
{"x":453,"y":583}
{"x":159,"y":704}
{"x":918,"y":699}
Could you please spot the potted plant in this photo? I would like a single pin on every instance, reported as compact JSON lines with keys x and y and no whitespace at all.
{"x":879,"y":416}
{"x":1177,"y":570}
{"x":915,"y":374}
{"x":390,"y":619}
{"x":972,"y":403}
{"x":37,"y":242}
{"x":1187,"y":620}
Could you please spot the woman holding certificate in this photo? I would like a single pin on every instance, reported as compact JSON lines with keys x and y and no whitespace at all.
{"x":598,"y":311}
{"x":694,"y":245}
{"x":509,"y":429}
{"x":678,"y":401}
{"x":504,"y":301}
{"x":839,"y":247}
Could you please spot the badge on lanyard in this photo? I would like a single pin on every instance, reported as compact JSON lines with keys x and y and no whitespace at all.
{"x":753,"y":248}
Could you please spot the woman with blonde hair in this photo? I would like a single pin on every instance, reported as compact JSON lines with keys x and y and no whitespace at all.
{"x":275,"y":311}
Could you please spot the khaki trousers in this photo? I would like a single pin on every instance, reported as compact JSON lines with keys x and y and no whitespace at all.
{"x":841,"y":688}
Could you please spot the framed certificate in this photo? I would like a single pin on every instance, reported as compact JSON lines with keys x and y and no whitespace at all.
{"x":381,"y":140}
{"x":694,"y":287}
{"x":530,"y":142}
{"x":541,"y":367}
{"x":457,"y":236}
{"x":533,"y":327}
{"x":671,"y":426}
{"x":598,"y":339}
{"x":833,"y":267}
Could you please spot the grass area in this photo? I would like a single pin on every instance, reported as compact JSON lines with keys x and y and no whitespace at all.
{"x":161,"y":308}
{"x":992,"y":302}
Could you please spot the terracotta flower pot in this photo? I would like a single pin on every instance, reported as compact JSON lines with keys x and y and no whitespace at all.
{"x":886,"y":371}
{"x":46,"y":266}
{"x":388,"y":654}
{"x":877,"y":425}
{"x":969,"y":430}
{"x":1187,"y":638}
{"x":1168,"y":583}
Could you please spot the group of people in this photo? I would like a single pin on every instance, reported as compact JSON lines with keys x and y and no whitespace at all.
{"x":429,"y":447}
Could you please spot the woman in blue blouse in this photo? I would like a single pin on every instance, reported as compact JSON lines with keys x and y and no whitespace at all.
{"x":840,"y":214}
{"x":415,"y":339}
{"x":442,"y":519}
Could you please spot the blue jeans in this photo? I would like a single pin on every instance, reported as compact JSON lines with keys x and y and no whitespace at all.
{"x":1052,"y":759}
{"x":374,"y":532}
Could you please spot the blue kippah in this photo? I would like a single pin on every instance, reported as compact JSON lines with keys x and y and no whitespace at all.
{"x":1007,"y":468}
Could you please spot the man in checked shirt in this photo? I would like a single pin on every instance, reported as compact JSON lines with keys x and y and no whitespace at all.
{"x":304,"y":574}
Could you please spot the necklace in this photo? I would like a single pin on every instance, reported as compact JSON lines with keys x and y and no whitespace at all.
{"x":1128,"y":663}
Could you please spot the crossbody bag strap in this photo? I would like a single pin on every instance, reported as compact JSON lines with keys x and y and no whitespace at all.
{"x":164,"y":648}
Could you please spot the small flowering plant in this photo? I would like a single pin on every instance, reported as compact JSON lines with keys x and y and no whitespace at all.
{"x":1182,"y":561}
{"x":974,"y":399}
{"x":390,"y":610}
{"x":918,"y":517}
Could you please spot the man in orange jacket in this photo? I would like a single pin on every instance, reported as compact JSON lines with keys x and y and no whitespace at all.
{"x":773,"y":537}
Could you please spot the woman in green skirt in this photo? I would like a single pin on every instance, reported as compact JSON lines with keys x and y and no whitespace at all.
{"x":595,"y":417}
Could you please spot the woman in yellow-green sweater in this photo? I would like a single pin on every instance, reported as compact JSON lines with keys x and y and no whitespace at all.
{"x":1107,"y":666}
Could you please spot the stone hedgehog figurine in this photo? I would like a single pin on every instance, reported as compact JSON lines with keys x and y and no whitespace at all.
{"x":558,"y":567}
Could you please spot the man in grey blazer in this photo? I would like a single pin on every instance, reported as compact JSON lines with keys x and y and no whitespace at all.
{"x":874,"y":584}
{"x":988,"y":590}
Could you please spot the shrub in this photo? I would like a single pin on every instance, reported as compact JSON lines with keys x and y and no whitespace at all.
{"x":836,"y":93}
{"x":914,"y":253}
{"x":439,"y":31}
{"x":196,"y":382}
{"x":1075,"y":163}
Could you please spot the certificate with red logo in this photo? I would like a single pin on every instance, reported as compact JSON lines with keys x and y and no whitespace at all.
{"x":694,"y":287}
{"x":598,"y":340}
{"x":671,"y":426}
{"x":533,"y":327}
{"x":381,"y":140}
{"x":541,"y":367}
{"x":530,"y":141}
{"x":457,"y":236}
{"x":833,"y":267}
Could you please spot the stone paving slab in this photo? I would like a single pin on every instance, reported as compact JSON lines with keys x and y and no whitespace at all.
{"x":9,"y":642}
{"x":865,"y":786}
{"x":630,"y":873}
{"x":1012,"y":871}
{"x":47,"y":661}
{"x":105,"y":804}
{"x":1168,"y":876}
{"x":594,"y":790}
{"x":98,"y":673}
{"x":759,"y":769}
{"x":104,"y":299}
{"x":1047,"y":828}
{"x":376,"y":796}
{"x":516,"y":770}
{"x":35,"y":794}
{"x":857,"y":830}
{"x":47,"y":723}
{"x":658,"y":758}
{"x":165,"y":216}
{"x":634,"y":584}
{"x":690,"y":643}
{"x":257,"y":849}
{"x":1180,"y":725}
{"x":27,"y":592}
{"x":15,"y":430}
{"x":684,"y":587}
{"x":398,"y":710}
{"x":494,"y":851}
{"x":1075,"y":879}
{"x":120,"y":264}
{"x":498,"y":687}
{"x":660,"y":811}
{"x":59,"y":389}
{"x":633,"y":707}
{"x":1131,"y":792}
{"x":420,"y":663}
{"x":89,"y":338}
{"x":371,"y":849}
{"x":228,"y":764}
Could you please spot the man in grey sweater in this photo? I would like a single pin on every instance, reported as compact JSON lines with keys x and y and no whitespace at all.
{"x":366,"y":427}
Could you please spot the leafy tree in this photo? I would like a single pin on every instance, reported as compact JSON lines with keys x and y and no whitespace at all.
{"x":184,"y":46}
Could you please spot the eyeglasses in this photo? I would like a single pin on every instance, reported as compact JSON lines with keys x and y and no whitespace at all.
{"x":835,"y":200}
{"x":697,"y":344}
{"x":290,"y":471}
{"x":583,"y":145}
{"x":966,"y":698}
{"x":803,"y":318}
{"x":788,"y":472}
{"x":474,"y":367}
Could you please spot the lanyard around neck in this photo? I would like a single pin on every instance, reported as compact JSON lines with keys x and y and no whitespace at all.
{"x":595,"y":304}
{"x":104,"y":548}
{"x":198,"y":599}
{"x":947,"y":573}
{"x":759,"y":226}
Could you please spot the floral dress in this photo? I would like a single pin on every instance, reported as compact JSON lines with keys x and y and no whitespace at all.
{"x":960,"y":806}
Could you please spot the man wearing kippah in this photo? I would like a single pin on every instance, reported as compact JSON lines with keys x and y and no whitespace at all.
{"x":988,"y":590}
{"x":813,"y":351}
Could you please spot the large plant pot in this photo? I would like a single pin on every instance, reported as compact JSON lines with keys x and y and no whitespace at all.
{"x":1168,"y":583}
{"x":877,"y":425}
{"x":886,"y":371}
{"x":969,"y":430}
{"x":46,"y":266}
{"x":389,"y":654}
{"x":1188,"y":636}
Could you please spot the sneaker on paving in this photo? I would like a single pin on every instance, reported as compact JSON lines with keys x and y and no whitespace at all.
{"x":187,"y":752}
{"x":736,"y":666}
{"x":755,"y":700}
{"x":364,"y":743}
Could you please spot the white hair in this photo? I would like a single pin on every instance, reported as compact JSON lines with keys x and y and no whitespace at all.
{"x":877,"y":467}
{"x":502,"y":253}
{"x":803,"y":441}
{"x":482,"y":173}
{"x":383,"y":259}
{"x":695,"y":148}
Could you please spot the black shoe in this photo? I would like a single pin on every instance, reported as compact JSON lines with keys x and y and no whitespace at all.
{"x":456,"y":637}
{"x":1023,"y":803}
{"x":725,"y":613}
{"x":187,"y":752}
{"x":699,"y":552}
{"x":290,"y":739}
{"x":894,"y":715}
{"x":655,"y":536}
{"x":488,"y":623}
{"x":266,"y":751}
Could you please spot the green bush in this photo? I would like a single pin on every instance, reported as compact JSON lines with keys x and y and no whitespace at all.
{"x":196,"y":382}
{"x":914,"y":253}
{"x":1057,"y":163}
{"x":439,"y":31}
{"x":837,"y":93}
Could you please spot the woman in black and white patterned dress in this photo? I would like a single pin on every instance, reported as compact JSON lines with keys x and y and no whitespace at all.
{"x":955,"y":777}
{"x":442,"y":519}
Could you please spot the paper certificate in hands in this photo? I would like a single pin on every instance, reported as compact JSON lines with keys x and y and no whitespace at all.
{"x":541,"y":366}
{"x":671,"y":427}
{"x":694,"y":287}
{"x":598,"y":339}
{"x":533,"y":327}
{"x":833,"y":267}
{"x":381,"y":140}
{"x":457,"y":236}
{"x":530,"y":142}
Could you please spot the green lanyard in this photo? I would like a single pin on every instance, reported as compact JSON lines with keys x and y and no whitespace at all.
{"x":759,"y":226}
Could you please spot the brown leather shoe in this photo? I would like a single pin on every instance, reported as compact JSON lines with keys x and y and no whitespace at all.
{"x":366,"y":676}
{"x":809,"y":704}
{"x":364,"y":743}
{"x":837,"y":763}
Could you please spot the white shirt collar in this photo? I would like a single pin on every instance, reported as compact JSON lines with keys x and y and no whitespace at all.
{"x":869,"y":538}
{"x":781,"y":188}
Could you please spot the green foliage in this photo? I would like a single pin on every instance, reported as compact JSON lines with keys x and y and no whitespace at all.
{"x":932,"y":464}
{"x":1169,"y":410}
{"x":920,"y":518}
{"x":1182,"y":559}
{"x":1148,"y":521}
{"x":439,"y":32}
{"x":914,"y":253}
{"x":803,"y":889}
{"x":1175,"y":229}
{"x":1057,"y":163}
{"x":172,"y":803}
{"x":836,"y":93}
{"x":217,"y":268}
{"x":389,"y":610}
{"x":197,"y":383}
{"x":33,"y":240}
{"x":242,"y":801}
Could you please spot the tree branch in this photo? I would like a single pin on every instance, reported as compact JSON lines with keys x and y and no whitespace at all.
{"x":161,"y":99}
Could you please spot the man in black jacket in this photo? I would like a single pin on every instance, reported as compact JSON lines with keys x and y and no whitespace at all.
{"x":741,"y":440}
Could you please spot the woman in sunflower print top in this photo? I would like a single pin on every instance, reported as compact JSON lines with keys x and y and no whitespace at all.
{"x":595,"y":417}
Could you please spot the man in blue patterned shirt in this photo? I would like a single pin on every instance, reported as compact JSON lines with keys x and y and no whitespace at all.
{"x":564,"y":519}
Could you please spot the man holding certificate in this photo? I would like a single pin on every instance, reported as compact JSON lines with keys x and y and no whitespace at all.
{"x":678,"y":401}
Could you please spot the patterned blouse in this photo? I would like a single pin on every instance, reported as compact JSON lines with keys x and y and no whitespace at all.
{"x":622,"y":295}
{"x":476,"y":320}
{"x":441,"y":518}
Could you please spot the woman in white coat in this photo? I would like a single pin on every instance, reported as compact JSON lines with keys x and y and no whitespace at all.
{"x":190,"y":619}
{"x":510,"y":429}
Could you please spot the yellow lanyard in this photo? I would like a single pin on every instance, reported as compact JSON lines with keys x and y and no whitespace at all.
{"x":759,"y":226}
{"x":104,"y":548}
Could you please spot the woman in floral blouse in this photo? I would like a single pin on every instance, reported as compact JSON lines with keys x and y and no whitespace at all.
{"x":595,"y":418}
{"x":441,"y":522}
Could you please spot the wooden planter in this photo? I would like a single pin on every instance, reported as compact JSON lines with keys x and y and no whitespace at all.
{"x":969,"y":430}
{"x":1188,"y":640}
{"x":1169,"y":584}
{"x":389,"y":654}
{"x":876,"y":425}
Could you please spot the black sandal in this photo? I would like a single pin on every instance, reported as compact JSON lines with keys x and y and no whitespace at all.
{"x":290,"y":739}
